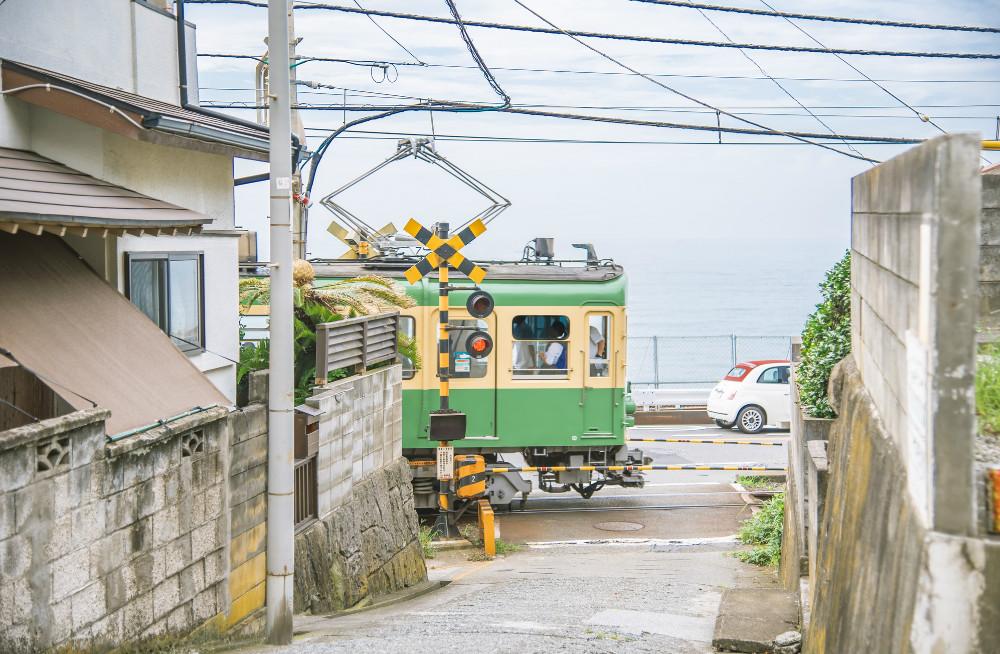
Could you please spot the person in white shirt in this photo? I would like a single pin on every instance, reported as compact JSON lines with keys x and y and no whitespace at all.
{"x":598,"y":353}
{"x":554,"y":356}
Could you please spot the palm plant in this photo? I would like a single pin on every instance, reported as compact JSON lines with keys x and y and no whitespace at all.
{"x":313,"y":305}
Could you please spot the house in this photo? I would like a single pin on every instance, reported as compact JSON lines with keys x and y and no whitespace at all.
{"x":103,"y":146}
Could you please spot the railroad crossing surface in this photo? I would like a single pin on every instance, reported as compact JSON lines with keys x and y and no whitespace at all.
{"x":636,"y":570}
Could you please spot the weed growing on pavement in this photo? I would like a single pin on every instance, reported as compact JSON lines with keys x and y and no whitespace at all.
{"x":758,"y":482}
{"x":763,"y":531}
{"x":426,"y":535}
{"x":504,"y":548}
{"x":471,"y":534}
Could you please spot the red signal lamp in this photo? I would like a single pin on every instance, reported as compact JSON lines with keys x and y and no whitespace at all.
{"x":479,"y":345}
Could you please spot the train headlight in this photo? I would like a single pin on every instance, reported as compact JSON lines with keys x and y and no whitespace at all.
{"x":479,"y":345}
{"x":480,"y":304}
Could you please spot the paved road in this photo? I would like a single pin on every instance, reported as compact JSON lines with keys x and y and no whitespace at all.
{"x":576,"y":587}
{"x":690,"y":504}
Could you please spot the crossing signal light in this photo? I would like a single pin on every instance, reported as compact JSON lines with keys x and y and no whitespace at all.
{"x":480,"y":304}
{"x":479,"y":345}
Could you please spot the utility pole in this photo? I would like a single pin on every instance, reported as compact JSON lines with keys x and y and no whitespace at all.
{"x":280,"y":464}
{"x":300,"y":212}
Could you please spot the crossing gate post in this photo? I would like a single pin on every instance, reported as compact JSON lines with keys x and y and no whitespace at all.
{"x":488,"y":528}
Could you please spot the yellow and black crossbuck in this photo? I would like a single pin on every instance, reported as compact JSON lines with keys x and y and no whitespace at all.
{"x":445,"y":251}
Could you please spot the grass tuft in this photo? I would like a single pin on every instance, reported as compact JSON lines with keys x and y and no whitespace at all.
{"x":988,"y":388}
{"x":426,"y":535}
{"x":763,"y":531}
{"x":758,"y":482}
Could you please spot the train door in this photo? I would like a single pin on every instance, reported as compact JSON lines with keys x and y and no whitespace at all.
{"x":598,"y":379}
{"x":473,"y":381}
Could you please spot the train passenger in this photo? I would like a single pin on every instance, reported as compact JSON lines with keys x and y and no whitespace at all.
{"x":554,"y":356}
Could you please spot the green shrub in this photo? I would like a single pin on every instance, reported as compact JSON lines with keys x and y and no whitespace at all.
{"x":826,"y":339}
{"x":426,"y":535}
{"x":763,"y":531}
{"x":988,"y":388}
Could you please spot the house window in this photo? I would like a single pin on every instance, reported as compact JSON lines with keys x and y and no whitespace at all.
{"x":169,"y":288}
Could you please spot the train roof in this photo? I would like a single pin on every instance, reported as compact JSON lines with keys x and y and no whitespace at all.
{"x":566,"y":271}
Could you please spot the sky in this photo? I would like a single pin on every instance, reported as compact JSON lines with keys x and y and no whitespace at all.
{"x":625,"y":198}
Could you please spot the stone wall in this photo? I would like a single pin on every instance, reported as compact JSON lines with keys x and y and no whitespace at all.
{"x":365,"y":540}
{"x":366,"y":547}
{"x":111,"y":541}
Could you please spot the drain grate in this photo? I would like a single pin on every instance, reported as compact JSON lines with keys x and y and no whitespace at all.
{"x":618,"y":526}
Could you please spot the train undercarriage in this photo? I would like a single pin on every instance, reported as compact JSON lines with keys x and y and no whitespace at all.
{"x":503,"y":488}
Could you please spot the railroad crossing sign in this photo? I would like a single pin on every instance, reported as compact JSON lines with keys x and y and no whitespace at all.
{"x":442,"y":251}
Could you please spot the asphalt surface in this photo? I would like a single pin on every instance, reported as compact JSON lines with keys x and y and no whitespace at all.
{"x":629,"y":570}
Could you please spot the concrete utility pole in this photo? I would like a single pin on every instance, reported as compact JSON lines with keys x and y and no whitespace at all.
{"x":300,"y":213}
{"x":280,"y":464}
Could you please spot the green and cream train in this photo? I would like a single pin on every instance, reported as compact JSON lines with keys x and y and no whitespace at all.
{"x":553,"y":389}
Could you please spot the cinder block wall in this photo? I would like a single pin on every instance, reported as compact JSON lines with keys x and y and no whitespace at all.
{"x":901,"y":566}
{"x":248,"y":503}
{"x":111,"y":541}
{"x":364,"y":542}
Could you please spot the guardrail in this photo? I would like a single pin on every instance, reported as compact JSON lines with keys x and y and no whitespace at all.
{"x":662,"y":361}
{"x":356,"y":343}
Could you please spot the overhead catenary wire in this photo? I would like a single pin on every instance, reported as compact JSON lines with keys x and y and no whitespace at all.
{"x":776,"y":83}
{"x":612,"y":36}
{"x":873,"y":22}
{"x":666,"y":87}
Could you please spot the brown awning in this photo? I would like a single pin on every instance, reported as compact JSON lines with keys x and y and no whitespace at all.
{"x":81,"y":336}
{"x":38,"y":194}
{"x":132,"y":115}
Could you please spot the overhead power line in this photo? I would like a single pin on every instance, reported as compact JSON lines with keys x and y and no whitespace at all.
{"x":777,"y":83}
{"x":827,"y":19}
{"x":690,"y":98}
{"x":610,"y":36}
{"x":474,"y":52}
{"x":575,"y":71}
{"x":765,"y":131}
{"x":391,"y":37}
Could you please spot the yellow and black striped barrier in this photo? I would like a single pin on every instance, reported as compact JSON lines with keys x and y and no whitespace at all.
{"x":707,"y":441}
{"x":635,"y":468}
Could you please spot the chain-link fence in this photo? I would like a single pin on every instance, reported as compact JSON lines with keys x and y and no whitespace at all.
{"x":655,"y":361}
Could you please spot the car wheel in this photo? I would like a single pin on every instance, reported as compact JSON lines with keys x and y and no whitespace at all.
{"x":751,"y":419}
{"x":723,"y":424}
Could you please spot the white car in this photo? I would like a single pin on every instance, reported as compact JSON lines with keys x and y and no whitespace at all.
{"x":752,"y":396}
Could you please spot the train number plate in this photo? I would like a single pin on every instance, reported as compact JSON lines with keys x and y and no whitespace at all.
{"x":445,"y":463}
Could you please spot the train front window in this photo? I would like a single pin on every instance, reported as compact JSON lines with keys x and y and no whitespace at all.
{"x":540,"y":345}
{"x":462,"y":364}
{"x":408,"y":328}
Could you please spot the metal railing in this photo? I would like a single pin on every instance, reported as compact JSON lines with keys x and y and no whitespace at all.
{"x":666,"y":360}
{"x":305,"y":491}
{"x":357,"y":343}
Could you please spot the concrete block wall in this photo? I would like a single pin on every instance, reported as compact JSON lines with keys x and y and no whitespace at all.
{"x":915,"y":249}
{"x":111,"y":541}
{"x":989,"y":259}
{"x":248,"y":503}
{"x":365,"y":540}
{"x":360,"y":432}
{"x":899,"y":562}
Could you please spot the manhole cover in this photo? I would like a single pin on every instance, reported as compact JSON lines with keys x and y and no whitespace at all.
{"x":618,"y":526}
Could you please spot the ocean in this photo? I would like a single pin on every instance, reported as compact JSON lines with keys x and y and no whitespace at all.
{"x":696,"y":295}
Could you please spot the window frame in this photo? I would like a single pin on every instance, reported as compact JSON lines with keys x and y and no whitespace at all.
{"x":609,"y":353}
{"x":412,"y":372}
{"x":167,"y":257}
